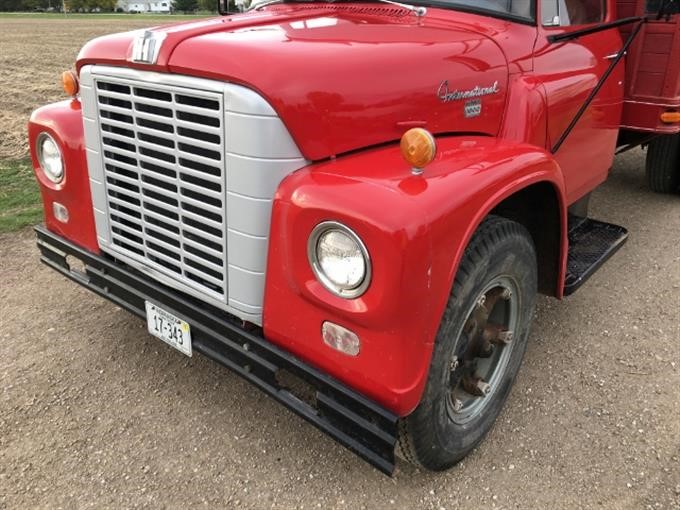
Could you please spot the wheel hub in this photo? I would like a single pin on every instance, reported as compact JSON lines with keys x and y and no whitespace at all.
{"x":482,"y":350}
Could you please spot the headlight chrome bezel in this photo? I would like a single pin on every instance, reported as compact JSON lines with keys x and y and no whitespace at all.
{"x":39,"y":152}
{"x":312,"y":254}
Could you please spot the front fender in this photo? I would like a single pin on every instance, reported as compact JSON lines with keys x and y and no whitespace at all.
{"x":64,"y":122}
{"x":416,"y":229}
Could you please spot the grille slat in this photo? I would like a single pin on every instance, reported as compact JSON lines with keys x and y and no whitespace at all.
{"x":202,"y":219}
{"x":197,"y":142}
{"x":202,"y":248}
{"x":206,"y":129}
{"x":124,"y":178}
{"x":125,"y":216}
{"x":117,"y":124}
{"x":118,"y":137}
{"x":203,"y":276}
{"x":116,"y":95}
{"x":165,"y":177}
{"x":123,"y":203}
{"x":199,"y":191}
{"x":201,"y":234}
{"x":155,"y":252}
{"x":157,"y":175}
{"x":197,"y":158}
{"x":153,"y":118}
{"x":125,"y":228}
{"x":205,"y":262}
{"x":202,"y":205}
{"x":105,"y":107}
{"x":125,"y":243}
{"x":122,"y":191}
{"x":160,"y":238}
{"x":153,"y":102}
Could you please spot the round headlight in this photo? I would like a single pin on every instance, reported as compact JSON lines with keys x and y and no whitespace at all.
{"x":49,"y":157}
{"x":339,"y":259}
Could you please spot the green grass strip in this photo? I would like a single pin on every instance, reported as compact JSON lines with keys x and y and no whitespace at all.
{"x":20,"y":202}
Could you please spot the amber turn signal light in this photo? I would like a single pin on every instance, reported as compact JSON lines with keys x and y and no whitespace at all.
{"x":670,"y":117}
{"x":418,"y":148}
{"x":69,"y":80}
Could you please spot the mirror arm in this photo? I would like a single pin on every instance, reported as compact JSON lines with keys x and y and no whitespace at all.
{"x":574,"y":34}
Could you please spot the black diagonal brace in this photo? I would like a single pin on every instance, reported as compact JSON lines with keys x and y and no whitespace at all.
{"x":640,"y":21}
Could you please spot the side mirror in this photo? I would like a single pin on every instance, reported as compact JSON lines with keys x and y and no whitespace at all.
{"x":555,"y":22}
{"x":225,"y":7}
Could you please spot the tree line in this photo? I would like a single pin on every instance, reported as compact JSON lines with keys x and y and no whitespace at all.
{"x":98,"y":5}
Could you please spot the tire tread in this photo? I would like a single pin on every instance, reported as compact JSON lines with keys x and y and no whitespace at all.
{"x":492,"y":231}
{"x":663,"y":164}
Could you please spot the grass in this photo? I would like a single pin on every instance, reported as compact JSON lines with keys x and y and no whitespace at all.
{"x":20,"y":202}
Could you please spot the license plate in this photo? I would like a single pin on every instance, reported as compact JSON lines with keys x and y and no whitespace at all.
{"x":169,"y":328}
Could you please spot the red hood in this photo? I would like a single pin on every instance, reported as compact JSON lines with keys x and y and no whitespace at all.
{"x":341,"y":77}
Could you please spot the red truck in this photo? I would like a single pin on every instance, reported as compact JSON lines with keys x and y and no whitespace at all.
{"x":353,"y":205}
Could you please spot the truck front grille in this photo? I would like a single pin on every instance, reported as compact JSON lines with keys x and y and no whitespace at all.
{"x":162,"y":153}
{"x":183,"y":171}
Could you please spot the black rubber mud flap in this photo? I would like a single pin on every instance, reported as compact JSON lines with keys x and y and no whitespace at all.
{"x":591,"y":243}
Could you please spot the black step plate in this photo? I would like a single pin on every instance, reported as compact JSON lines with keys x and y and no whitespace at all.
{"x":591,"y":243}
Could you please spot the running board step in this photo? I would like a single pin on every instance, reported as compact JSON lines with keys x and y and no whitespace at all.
{"x":591,"y":243}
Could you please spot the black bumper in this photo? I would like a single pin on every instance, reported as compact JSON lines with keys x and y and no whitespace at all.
{"x":353,"y":420}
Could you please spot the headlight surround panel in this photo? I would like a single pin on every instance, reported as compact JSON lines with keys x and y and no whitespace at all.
{"x":351,"y":289}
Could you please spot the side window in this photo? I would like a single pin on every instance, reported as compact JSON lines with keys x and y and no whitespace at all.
{"x":563,"y":13}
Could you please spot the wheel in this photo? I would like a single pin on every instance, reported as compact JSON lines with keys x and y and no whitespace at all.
{"x":478,"y":349}
{"x":663,"y":164}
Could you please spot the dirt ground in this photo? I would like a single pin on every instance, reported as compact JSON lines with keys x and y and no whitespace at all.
{"x":33,"y":54}
{"x":96,"y":413}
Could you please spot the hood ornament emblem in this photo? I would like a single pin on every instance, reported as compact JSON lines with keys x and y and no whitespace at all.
{"x":446,"y":96}
{"x":147,"y":46}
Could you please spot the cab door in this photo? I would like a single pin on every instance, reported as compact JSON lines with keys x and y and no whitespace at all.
{"x":569,"y":71}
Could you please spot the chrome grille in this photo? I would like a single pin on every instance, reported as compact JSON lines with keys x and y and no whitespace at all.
{"x":162,"y":152}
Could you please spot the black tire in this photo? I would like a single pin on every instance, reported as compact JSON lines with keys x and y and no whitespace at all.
{"x":429,"y":437}
{"x":663,"y":164}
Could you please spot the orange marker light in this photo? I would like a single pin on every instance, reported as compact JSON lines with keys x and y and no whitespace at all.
{"x":69,"y":81}
{"x":670,"y":117}
{"x":418,"y":148}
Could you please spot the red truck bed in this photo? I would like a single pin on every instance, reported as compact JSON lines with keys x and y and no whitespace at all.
{"x":652,"y":70}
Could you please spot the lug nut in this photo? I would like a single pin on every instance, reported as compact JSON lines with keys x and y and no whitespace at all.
{"x":457,"y":405}
{"x":483,"y":387}
{"x":507,"y":294}
{"x":481,"y":301}
{"x":505,"y":337}
{"x":454,"y":363}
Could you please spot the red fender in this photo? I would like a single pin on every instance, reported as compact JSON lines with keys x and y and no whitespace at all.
{"x":415,"y":228}
{"x":64,"y":122}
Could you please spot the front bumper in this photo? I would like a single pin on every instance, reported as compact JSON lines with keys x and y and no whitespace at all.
{"x":353,"y":420}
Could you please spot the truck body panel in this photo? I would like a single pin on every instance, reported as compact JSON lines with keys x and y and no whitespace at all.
{"x":652,"y":71}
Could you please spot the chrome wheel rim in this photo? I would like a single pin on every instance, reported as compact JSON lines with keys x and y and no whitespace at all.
{"x":483,"y":350}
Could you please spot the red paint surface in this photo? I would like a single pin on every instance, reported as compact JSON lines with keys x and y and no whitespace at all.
{"x":333,"y":85}
{"x":652,"y":72}
{"x":63,"y":121}
{"x":348,"y":82}
{"x":569,"y":71}
{"x":415,"y":229}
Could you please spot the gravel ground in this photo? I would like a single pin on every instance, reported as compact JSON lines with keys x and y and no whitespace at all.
{"x":96,"y":413}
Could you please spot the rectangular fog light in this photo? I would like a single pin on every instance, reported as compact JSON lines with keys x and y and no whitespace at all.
{"x":60,"y":212}
{"x":341,"y":339}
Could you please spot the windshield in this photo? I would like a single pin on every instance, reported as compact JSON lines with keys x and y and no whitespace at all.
{"x":513,"y":9}
{"x":522,"y":9}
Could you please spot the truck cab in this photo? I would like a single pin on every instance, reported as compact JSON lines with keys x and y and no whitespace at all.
{"x":360,"y":199}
